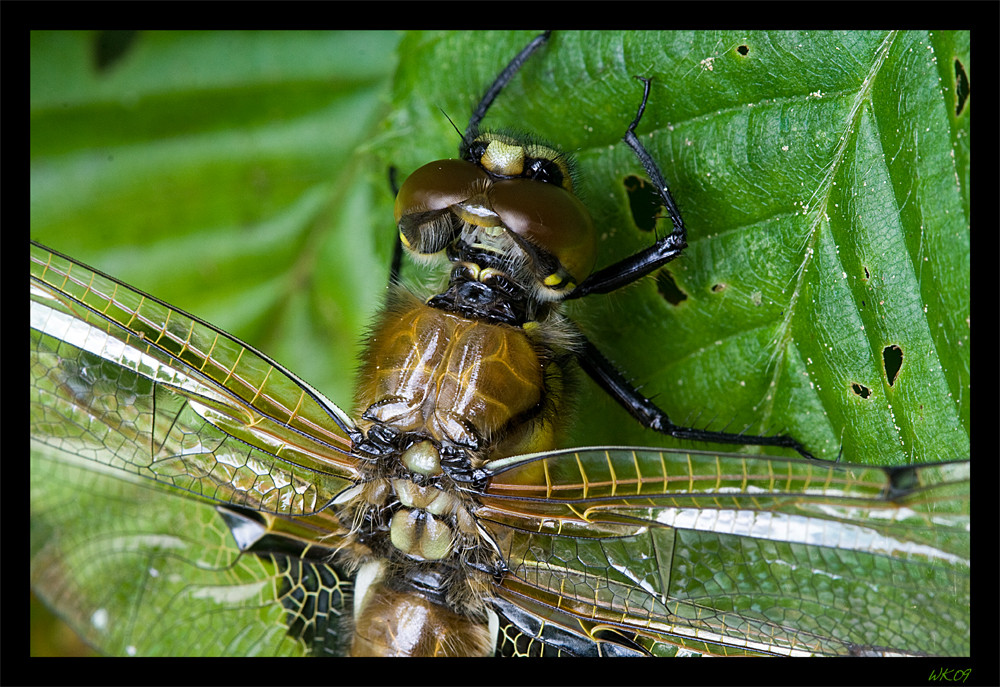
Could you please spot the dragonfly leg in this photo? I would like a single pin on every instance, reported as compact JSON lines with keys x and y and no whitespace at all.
{"x":472,"y":130}
{"x":603,"y":371}
{"x":664,"y":250}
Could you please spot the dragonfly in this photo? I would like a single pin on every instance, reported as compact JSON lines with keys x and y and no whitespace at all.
{"x":142,"y":406}
{"x":606,"y":549}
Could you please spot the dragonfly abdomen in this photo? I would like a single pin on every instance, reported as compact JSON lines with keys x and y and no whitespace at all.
{"x":406,"y":615}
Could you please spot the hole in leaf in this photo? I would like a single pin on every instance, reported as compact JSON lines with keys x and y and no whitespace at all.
{"x":668,"y":288}
{"x":961,"y":87}
{"x":743,"y":49}
{"x":643,"y":201}
{"x":892,"y":360}
{"x":111,"y":46}
{"x":861,"y":390}
{"x":867,"y":274}
{"x":716,"y":288}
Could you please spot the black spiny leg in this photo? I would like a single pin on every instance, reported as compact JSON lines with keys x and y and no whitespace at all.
{"x":629,"y":270}
{"x":664,"y":250}
{"x":602,"y":371}
{"x":498,"y":83}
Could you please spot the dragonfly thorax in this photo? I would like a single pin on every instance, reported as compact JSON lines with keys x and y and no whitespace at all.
{"x":423,"y":569}
{"x":403,"y":514}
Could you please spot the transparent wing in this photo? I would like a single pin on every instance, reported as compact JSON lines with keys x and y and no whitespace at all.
{"x":122,"y":379}
{"x":664,"y":550}
{"x":138,"y":568}
{"x":144,"y":420}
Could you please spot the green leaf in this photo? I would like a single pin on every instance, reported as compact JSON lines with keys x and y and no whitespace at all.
{"x":821,"y":177}
{"x":219,"y":184}
{"x":824,"y":179}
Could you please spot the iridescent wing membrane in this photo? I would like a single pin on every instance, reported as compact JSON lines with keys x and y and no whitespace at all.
{"x":124,"y":386}
{"x":727,"y":554}
{"x":656,"y":550}
{"x":121,"y":378}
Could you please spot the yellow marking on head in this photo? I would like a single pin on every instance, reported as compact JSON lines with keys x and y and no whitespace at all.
{"x":477,"y":212}
{"x":490,"y":272}
{"x":503,"y":158}
{"x":473,"y":269}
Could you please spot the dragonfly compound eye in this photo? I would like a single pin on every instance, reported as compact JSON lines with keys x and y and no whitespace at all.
{"x":549,"y":225}
{"x":553,"y":224}
{"x":424,"y":204}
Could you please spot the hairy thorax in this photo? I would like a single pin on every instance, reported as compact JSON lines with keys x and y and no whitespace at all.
{"x":457,"y":381}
